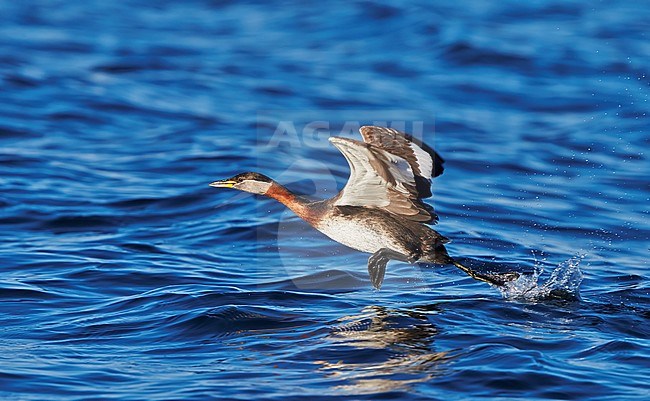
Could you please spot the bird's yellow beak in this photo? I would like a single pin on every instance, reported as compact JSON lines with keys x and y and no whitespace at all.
{"x":223,"y":184}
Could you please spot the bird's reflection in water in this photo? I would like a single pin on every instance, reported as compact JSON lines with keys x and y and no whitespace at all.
{"x":384,"y":350}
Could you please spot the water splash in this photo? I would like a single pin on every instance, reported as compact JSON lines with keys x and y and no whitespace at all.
{"x":563,"y":284}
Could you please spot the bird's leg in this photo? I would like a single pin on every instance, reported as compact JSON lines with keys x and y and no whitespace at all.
{"x":494,"y":279}
{"x":377,"y":264}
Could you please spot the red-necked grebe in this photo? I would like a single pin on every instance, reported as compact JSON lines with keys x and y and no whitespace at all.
{"x":380,"y":209}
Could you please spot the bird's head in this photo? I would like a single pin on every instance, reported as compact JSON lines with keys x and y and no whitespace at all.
{"x":254,"y":183}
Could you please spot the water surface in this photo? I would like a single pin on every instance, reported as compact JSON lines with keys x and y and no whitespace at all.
{"x":124,"y":276}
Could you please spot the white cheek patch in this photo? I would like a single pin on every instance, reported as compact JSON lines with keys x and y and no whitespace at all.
{"x":264,"y":187}
{"x":423,"y":159}
{"x":255,"y":187}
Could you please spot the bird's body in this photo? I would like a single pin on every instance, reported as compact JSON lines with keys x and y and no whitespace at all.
{"x":380,"y":210}
{"x":361,"y":229}
{"x":369,"y":230}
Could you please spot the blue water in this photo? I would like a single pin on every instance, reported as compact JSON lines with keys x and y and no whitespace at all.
{"x":124,"y":276}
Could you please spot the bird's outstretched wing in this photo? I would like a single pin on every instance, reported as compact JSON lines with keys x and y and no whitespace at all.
{"x":389,"y":171}
{"x":425,"y":162}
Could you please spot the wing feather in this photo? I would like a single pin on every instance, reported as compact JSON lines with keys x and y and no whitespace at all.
{"x":380,"y":179}
{"x":425,"y":162}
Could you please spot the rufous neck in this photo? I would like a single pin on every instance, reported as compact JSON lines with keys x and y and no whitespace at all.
{"x":296,"y":203}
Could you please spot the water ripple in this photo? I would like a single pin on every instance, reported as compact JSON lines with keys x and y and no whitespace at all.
{"x":125,"y":276}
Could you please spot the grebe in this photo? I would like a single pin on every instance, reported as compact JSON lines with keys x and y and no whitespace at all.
{"x":380,"y":209}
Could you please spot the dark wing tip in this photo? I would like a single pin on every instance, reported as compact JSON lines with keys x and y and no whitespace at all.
{"x":423,"y":186}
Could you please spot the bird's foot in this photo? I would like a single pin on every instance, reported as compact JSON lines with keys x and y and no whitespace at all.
{"x":502,"y":278}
